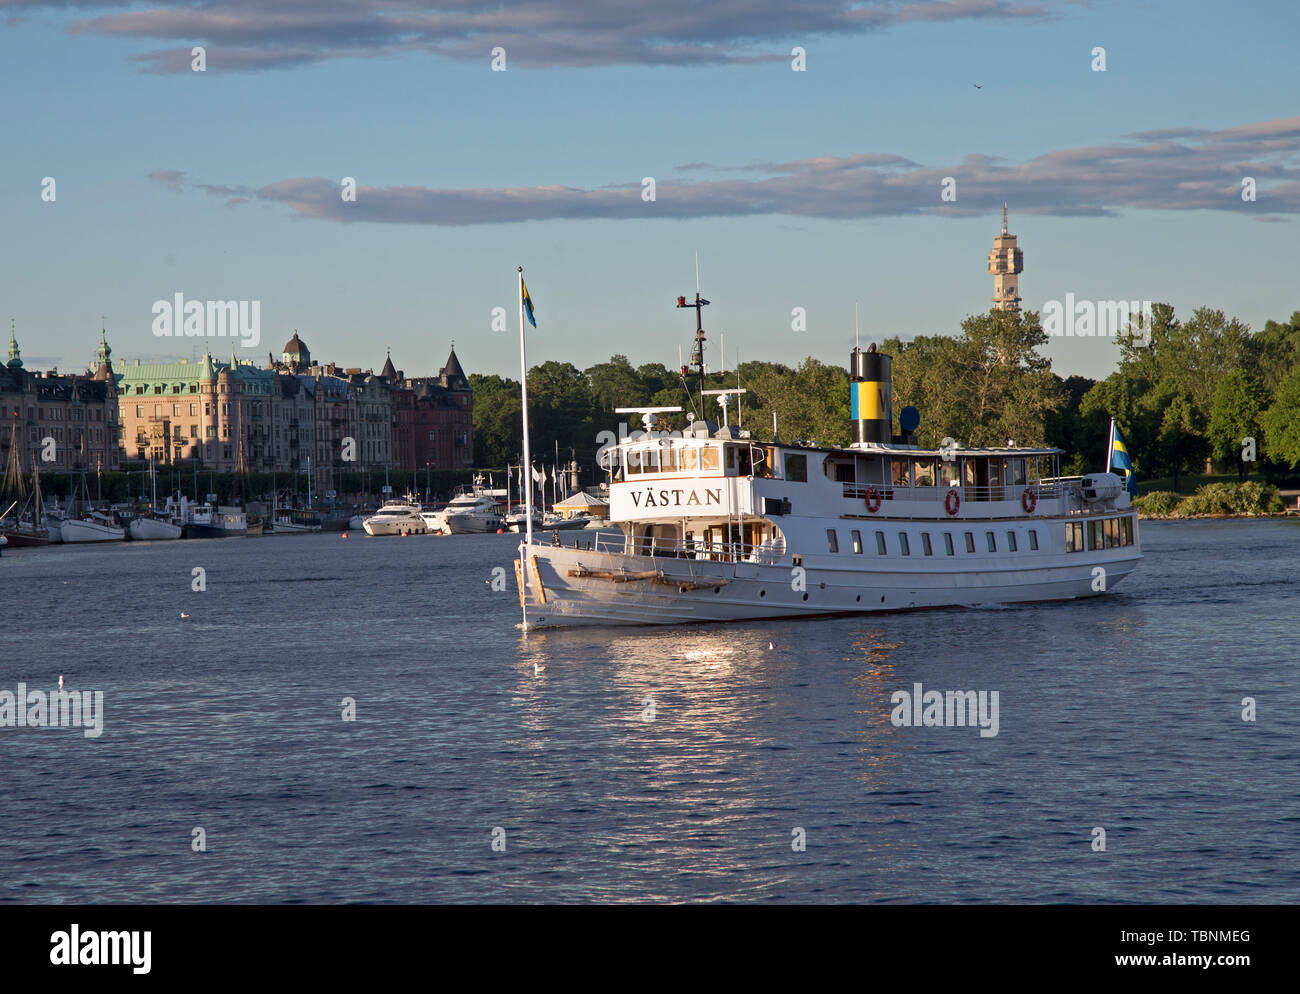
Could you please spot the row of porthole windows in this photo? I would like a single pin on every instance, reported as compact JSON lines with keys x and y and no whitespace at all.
{"x":927,"y":546}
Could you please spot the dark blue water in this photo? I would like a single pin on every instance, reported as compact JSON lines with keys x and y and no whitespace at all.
{"x":665,"y":764}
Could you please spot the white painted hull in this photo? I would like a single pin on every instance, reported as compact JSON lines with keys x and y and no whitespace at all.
{"x":151,"y":529}
{"x":90,"y":531}
{"x":753,"y":591}
{"x":414,"y":525}
{"x":472,"y":524}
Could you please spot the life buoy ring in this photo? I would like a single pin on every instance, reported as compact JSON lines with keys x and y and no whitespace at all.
{"x":873,"y":500}
{"x":952,"y":502}
{"x":1029,"y":500}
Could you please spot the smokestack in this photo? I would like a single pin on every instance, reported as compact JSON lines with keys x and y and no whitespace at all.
{"x":870,"y":400}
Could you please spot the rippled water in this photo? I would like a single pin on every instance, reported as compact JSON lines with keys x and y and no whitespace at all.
{"x":640,"y":764}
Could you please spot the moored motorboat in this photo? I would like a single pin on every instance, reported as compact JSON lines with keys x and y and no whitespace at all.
{"x":397,"y":517}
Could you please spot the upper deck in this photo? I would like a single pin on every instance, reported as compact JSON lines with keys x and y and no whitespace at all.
{"x":709,"y":473}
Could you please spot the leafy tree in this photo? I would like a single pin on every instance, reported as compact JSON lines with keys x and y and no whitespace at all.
{"x":1234,"y":416}
{"x":1282,"y":421}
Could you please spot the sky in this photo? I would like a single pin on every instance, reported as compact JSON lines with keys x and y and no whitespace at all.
{"x":818,"y":189}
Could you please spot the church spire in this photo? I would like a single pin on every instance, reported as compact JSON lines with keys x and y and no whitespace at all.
{"x":15,"y":357}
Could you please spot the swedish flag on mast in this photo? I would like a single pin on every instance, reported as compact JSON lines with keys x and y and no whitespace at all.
{"x":1117,"y":456}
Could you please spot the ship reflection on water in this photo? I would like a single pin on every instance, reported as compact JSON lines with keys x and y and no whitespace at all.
{"x":708,"y":741}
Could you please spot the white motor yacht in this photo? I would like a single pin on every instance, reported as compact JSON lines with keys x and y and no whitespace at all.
{"x":397,"y":517}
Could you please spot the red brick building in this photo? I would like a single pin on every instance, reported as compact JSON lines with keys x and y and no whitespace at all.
{"x":433,"y":416}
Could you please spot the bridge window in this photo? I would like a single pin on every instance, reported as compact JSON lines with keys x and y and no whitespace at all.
{"x":668,"y":460}
{"x":690,"y":458}
{"x":709,"y":457}
{"x":923,"y":473}
{"x":796,"y":468}
{"x":899,"y":471}
{"x":634,"y":462}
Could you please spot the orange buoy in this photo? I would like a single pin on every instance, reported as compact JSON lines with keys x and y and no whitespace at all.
{"x":345,"y":534}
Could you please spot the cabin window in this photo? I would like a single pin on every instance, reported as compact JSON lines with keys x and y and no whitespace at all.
{"x":1011,"y":542}
{"x":743,"y":462}
{"x":923,"y":473}
{"x":633,"y":462}
{"x":690,"y":459}
{"x":971,"y":472}
{"x":709,"y":457}
{"x":881,"y":548}
{"x":731,"y":457}
{"x":904,"y":544}
{"x":925,"y":544}
{"x":1126,"y":530}
{"x":970,"y":541}
{"x":857,"y":542}
{"x":899,"y":472}
{"x":949,"y":473}
{"x":832,"y":542}
{"x":1013,"y":472}
{"x":1096,"y":539}
{"x":1033,"y":540}
{"x":649,"y":461}
{"x":947,"y":543}
{"x":1074,"y":536}
{"x":668,"y":460}
{"x":796,"y":468}
{"x":844,"y":472}
{"x":992,"y":541}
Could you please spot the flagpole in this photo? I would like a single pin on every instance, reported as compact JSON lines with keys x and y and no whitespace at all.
{"x":1110,"y":444}
{"x":528,"y":459}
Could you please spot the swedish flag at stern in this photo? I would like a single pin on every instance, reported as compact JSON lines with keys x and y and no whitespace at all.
{"x":1117,"y":456}
{"x":528,"y":303}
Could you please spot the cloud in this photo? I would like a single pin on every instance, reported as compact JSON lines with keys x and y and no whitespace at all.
{"x":168,"y":179}
{"x":254,"y":34}
{"x":1202,"y":172}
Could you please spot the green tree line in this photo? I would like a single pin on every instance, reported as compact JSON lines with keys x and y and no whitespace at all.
{"x":1183,"y":390}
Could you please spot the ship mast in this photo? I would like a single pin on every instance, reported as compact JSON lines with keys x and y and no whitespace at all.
{"x":697,"y":354}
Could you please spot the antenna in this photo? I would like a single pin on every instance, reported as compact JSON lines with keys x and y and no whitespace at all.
{"x":855,"y":325}
{"x":722,"y":354}
{"x":1004,"y":217}
{"x":697,"y":269}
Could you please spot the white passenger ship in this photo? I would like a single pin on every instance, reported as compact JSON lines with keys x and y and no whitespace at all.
{"x":718,"y":526}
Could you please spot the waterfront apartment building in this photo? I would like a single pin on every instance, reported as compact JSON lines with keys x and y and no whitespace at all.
{"x":294,"y":414}
{"x":60,"y":422}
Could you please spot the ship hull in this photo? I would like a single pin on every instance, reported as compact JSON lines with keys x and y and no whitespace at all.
{"x":584,"y":587}
{"x":151,"y":529}
{"x":90,"y":531}
{"x":19,"y":539}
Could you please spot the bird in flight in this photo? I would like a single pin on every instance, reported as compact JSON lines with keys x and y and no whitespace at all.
{"x":977,"y":86}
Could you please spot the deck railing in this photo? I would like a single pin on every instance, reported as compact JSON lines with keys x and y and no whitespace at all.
{"x":1046,"y":489}
{"x":662,"y":548}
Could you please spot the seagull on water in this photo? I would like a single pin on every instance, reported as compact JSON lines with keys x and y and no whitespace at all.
{"x":184,"y":615}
